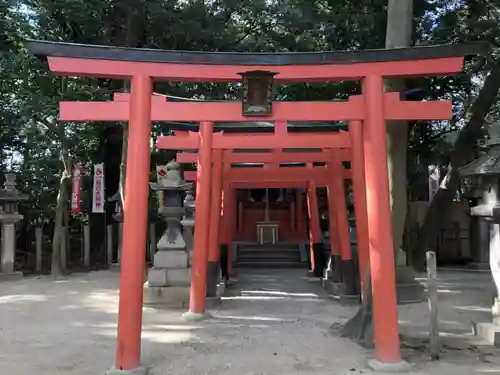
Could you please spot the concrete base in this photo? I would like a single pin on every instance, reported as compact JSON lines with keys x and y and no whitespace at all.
{"x":489,"y":332}
{"x":194,"y":317}
{"x":11,"y":276}
{"x":214,"y":302}
{"x":171,"y":296}
{"x":392,"y":368}
{"x":115,"y":267}
{"x":303,"y":251}
{"x":337,"y":291}
{"x":169,"y":277}
{"x":172,"y":258}
{"x":137,"y":371}
{"x":221,"y":288}
{"x":413,"y":292}
{"x":319,"y":259}
{"x":213,"y":276}
{"x":408,"y":290}
{"x":348,"y":270}
{"x":350,"y":299}
{"x":333,"y":288}
{"x":480,"y":266}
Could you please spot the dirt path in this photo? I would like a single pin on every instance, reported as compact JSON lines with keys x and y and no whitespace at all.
{"x":272,"y":323}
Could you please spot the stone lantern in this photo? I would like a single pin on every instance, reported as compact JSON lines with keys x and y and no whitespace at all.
{"x":484,"y":172}
{"x":9,"y":216}
{"x":169,"y":279}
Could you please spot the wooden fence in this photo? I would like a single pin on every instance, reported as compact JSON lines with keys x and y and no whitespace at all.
{"x":34,"y":248}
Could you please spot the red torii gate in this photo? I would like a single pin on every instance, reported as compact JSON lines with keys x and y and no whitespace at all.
{"x":374,"y":108}
{"x":309,"y":177}
{"x":295,"y":176}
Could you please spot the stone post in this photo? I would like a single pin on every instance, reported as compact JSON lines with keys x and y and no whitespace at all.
{"x":120,"y":240}
{"x":39,"y":247}
{"x":86,"y":245}
{"x":8,"y":246}
{"x":118,"y":217}
{"x":9,"y":200}
{"x":152,"y":241}
{"x":64,"y":250}
{"x":109,"y":245}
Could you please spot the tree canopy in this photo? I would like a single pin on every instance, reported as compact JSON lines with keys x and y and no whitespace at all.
{"x":33,"y":142}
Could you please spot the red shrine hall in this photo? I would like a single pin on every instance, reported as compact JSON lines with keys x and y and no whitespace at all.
{"x":262,"y":164}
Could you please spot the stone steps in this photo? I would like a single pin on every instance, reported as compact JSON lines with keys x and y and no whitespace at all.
{"x":268,"y":256}
{"x":272,"y":254}
{"x":267,"y":264}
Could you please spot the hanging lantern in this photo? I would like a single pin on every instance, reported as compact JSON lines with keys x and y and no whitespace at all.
{"x":257,"y":93}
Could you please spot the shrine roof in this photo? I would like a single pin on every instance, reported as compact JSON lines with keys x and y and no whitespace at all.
{"x":102,"y":52}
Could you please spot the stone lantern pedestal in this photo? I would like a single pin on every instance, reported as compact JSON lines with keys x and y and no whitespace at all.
{"x":485,"y":172}
{"x":188,"y":224}
{"x":169,"y":280}
{"x":9,"y":200}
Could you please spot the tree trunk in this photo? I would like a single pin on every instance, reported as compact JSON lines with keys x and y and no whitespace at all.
{"x":398,"y":35}
{"x":61,"y":208}
{"x":461,"y":155}
{"x":136,"y":21}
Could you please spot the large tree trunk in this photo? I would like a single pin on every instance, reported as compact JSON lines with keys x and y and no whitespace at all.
{"x":398,"y":34}
{"x":461,"y":155}
{"x":135,"y":33}
{"x":61,"y":209}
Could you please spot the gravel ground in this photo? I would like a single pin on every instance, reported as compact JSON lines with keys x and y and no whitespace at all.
{"x":271,"y":322}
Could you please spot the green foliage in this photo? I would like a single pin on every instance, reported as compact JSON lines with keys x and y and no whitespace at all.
{"x":31,"y":137}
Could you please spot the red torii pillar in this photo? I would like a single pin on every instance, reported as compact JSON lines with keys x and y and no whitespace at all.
{"x":335,"y":259}
{"x":197,"y":298}
{"x":213,"y":266}
{"x":227,"y":228}
{"x":385,"y":310}
{"x":337,"y":196}
{"x":135,"y":219}
{"x":315,"y":238}
{"x":300,"y":227}
{"x":292,"y":216}
{"x":359,"y":193}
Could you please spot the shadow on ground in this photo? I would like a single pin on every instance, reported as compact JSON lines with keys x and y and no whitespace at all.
{"x":270,"y":322}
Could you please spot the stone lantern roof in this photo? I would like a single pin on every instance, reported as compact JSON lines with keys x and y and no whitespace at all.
{"x":489,"y":163}
{"x":10,"y":193}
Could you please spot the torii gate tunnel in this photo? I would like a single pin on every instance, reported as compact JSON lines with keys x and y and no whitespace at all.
{"x":271,"y":173}
{"x":369,"y":111}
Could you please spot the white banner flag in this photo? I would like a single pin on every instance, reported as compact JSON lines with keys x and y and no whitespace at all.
{"x":98,"y":189}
